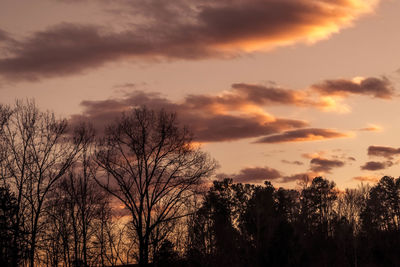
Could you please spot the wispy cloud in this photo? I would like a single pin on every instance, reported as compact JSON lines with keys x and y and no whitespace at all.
{"x":295,"y":162}
{"x":372,"y":128}
{"x":366,"y":179}
{"x":302,"y":135}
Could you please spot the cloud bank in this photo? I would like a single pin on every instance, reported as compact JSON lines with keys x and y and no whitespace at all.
{"x":209,"y":122}
{"x":183,"y":29}
{"x":237,"y":114}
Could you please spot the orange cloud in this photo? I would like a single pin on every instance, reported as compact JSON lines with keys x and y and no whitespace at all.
{"x":372,"y":128}
{"x":366,"y":179}
{"x":208,"y":123}
{"x":326,"y":18}
{"x":232,"y":115}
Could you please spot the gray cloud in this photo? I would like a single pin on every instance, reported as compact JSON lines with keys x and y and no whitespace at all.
{"x":4,"y":36}
{"x":68,"y":49}
{"x":375,"y":87}
{"x":325,"y":165}
{"x":253,"y":175}
{"x":298,"y":177}
{"x":376,"y":165}
{"x":273,"y":94}
{"x":295,"y":162}
{"x":383,"y":151}
{"x":189,"y":29}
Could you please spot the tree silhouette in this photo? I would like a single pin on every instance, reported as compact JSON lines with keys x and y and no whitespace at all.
{"x":56,"y":209}
{"x":214,"y":235}
{"x":382,"y":211}
{"x":38,"y":152}
{"x":11,"y":252}
{"x":151,"y":166}
{"x":317,"y":204}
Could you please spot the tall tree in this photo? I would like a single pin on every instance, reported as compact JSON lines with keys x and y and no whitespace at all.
{"x":382,"y":211}
{"x":152,"y":167}
{"x":39,"y":150}
{"x":317,"y":204}
{"x":8,"y":226}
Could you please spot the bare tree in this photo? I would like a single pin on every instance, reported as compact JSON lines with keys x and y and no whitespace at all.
{"x":75,"y":208}
{"x":151,"y":166}
{"x":39,"y":150}
{"x":351,"y":203}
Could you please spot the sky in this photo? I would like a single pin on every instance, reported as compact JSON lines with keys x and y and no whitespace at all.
{"x":273,"y":89}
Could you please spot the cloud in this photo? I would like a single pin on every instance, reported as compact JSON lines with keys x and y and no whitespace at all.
{"x":248,"y":96}
{"x":4,"y":36}
{"x":209,"y":122}
{"x":269,"y":94}
{"x":296,"y":162}
{"x":366,"y":179}
{"x":317,"y":154}
{"x":375,"y":165}
{"x":261,"y":174}
{"x":325,"y":165}
{"x":301,"y":135}
{"x":190,"y":29}
{"x":253,"y":175}
{"x":69,"y":49}
{"x":256,"y":95}
{"x":232,"y":115}
{"x":6,"y":42}
{"x":375,"y":87}
{"x":372,"y":128}
{"x":383,"y":151}
{"x":212,"y":128}
{"x":301,"y":178}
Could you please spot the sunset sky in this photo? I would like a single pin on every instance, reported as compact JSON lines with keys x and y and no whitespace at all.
{"x":272,"y":89}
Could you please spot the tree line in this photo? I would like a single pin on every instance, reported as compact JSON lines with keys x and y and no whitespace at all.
{"x":137,"y":193}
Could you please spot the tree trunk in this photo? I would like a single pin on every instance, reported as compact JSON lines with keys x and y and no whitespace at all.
{"x":32,"y":250}
{"x":144,"y":255}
